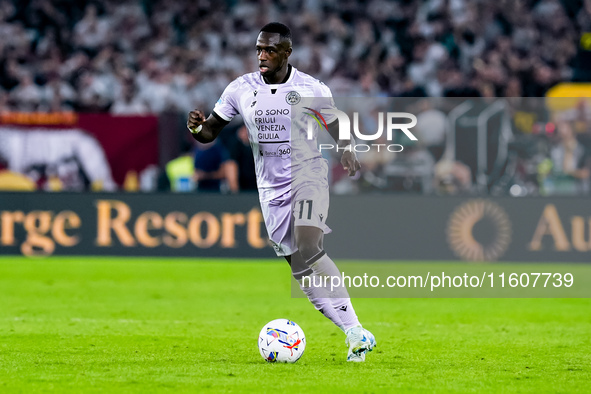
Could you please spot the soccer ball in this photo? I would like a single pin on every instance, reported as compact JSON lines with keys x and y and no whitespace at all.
{"x":282,"y":341}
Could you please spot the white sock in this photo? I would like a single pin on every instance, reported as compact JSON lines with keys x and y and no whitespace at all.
{"x":346,"y":312}
{"x":322,"y":265}
{"x":322,"y":304}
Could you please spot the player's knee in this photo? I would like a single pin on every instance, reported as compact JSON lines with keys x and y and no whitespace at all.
{"x":308,"y":240}
{"x":308,"y":250}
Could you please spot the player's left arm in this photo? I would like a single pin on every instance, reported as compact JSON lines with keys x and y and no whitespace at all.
{"x":348,"y":158}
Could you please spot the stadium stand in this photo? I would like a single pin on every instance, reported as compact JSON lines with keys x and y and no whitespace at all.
{"x":152,"y":56}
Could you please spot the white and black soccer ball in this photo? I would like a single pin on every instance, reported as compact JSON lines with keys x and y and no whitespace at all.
{"x":282,"y":341}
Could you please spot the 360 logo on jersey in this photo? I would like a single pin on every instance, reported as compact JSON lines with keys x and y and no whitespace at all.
{"x":283,"y":151}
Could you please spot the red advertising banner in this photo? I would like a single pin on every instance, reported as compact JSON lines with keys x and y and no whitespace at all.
{"x":78,"y":151}
{"x":129,"y":142}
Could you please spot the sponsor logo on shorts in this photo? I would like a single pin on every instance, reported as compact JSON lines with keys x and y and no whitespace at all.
{"x":276,"y":246}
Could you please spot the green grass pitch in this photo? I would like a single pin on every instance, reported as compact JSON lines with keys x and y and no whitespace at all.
{"x":189,"y":325}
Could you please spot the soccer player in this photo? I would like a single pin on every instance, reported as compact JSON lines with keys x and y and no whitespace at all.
{"x":291,"y":173}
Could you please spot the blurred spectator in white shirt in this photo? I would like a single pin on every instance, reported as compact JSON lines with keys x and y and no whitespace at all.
{"x":92,"y":31}
{"x":128,"y":103}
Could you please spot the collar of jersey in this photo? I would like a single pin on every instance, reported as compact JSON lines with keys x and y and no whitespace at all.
{"x":291,"y":71}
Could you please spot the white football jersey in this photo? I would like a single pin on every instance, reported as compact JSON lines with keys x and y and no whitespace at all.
{"x":277,"y":117}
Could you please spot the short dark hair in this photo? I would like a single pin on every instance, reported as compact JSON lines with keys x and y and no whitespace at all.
{"x":279,"y":28}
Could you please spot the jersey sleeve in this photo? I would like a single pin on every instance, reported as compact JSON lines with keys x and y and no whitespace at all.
{"x":227,"y":106}
{"x":325,"y":101}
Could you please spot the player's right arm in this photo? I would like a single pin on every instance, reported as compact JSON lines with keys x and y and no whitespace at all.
{"x":223,"y":112}
{"x":205,"y":130}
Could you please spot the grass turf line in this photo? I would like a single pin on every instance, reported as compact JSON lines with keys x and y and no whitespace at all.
{"x":187,"y":325}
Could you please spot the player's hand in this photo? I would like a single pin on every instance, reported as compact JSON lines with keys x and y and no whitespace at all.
{"x":350,"y":162}
{"x":196,"y":119}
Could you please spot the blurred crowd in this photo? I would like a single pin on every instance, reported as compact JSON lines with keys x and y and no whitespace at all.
{"x":532,"y":148}
{"x":150,"y":56}
{"x":134,"y":57}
